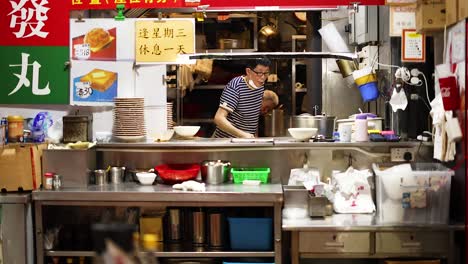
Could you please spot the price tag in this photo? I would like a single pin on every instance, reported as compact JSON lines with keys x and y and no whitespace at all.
{"x":82,"y":51}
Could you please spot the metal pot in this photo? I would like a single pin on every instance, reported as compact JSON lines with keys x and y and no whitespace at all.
{"x":269,"y":38}
{"x":215,"y":171}
{"x":324,"y":124}
{"x":274,"y":123}
{"x":225,"y":43}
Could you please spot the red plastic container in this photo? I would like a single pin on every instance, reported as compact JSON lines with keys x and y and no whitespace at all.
{"x":177,"y":173}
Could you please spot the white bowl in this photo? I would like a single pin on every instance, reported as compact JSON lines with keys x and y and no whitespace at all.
{"x":186,"y":131}
{"x":146,"y":178}
{"x":164,"y":136}
{"x":302,"y":133}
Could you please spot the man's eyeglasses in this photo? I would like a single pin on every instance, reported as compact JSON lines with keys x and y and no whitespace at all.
{"x":260,"y":74}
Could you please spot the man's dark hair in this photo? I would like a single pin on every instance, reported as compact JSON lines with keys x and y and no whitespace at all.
{"x":264,"y":61}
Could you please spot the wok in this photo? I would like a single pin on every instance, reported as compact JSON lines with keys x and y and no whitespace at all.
{"x":269,"y":38}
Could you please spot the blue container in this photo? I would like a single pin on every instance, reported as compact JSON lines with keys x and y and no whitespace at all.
{"x":251,"y":233}
{"x":369,"y":91}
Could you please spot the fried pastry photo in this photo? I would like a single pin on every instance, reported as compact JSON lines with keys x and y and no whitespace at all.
{"x":97,"y":38}
{"x":99,"y":79}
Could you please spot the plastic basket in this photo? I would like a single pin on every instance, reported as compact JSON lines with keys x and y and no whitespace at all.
{"x":251,"y":233}
{"x":241,"y":174}
{"x":419,"y":194}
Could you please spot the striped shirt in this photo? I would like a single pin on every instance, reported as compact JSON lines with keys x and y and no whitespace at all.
{"x":243,"y":104}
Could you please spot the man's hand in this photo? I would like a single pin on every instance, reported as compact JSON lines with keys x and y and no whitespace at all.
{"x":221,"y":121}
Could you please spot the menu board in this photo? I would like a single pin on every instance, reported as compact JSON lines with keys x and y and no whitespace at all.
{"x":162,"y":40}
{"x":99,"y":82}
{"x":102,"y":39}
{"x":413,"y":46}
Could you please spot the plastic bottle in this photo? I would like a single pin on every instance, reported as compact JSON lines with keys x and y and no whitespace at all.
{"x":360,"y":125}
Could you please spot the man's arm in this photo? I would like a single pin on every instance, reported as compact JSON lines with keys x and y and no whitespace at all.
{"x":221,"y":122}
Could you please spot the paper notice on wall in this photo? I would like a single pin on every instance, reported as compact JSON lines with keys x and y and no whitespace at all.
{"x":162,"y":40}
{"x":99,"y":82}
{"x":413,"y":46}
{"x":402,"y":17}
{"x":102,"y":39}
{"x":456,"y":42}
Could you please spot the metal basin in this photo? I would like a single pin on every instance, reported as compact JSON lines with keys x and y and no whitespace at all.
{"x":324,"y":124}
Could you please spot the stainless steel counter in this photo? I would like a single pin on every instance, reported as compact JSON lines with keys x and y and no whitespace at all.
{"x":358,"y":222}
{"x":133,"y":192}
{"x":283,"y":142}
{"x":15,"y":198}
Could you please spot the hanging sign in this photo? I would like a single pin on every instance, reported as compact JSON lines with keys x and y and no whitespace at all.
{"x":34,"y":75}
{"x":33,"y":23}
{"x":402,"y":17}
{"x":413,"y":46}
{"x":162,"y":40}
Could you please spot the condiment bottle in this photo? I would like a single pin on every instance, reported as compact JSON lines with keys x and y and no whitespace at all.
{"x":360,"y":124}
{"x":15,"y":128}
{"x":49,"y":179}
{"x":57,"y":182}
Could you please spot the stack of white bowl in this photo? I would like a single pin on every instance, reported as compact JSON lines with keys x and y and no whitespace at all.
{"x":129,"y":119}
{"x":170,"y":121}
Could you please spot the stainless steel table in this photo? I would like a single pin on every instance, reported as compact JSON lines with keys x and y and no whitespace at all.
{"x":132,"y":194}
{"x":361,"y":236}
{"x":16,"y":228}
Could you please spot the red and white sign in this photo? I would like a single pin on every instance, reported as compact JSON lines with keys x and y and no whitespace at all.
{"x":33,"y":23}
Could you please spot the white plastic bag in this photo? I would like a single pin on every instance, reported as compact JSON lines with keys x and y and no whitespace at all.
{"x":353,"y":192}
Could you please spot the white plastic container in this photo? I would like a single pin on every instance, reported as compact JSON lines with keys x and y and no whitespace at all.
{"x":417,"y":193}
{"x":360,"y":125}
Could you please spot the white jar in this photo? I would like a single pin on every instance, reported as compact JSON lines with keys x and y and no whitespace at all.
{"x":360,"y":125}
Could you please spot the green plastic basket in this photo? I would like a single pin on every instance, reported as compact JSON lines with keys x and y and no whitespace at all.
{"x":241,"y":174}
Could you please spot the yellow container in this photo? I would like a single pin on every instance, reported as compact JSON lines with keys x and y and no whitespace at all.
{"x":152,"y":225}
{"x":15,"y":128}
{"x":365,"y":79}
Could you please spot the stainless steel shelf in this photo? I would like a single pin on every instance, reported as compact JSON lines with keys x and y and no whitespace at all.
{"x":166,"y":254}
{"x":213,"y":254}
{"x":15,"y":198}
{"x":234,"y":194}
{"x":53,"y":253}
{"x":226,"y":55}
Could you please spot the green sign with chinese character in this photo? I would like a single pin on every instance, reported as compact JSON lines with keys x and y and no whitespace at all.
{"x":34,"y":75}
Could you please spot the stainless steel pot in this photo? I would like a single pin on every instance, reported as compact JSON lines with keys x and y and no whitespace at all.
{"x":274,"y":124}
{"x":324,"y":124}
{"x":215,"y":171}
{"x":232,"y":43}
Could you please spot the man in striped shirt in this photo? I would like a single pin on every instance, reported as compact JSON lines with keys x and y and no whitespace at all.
{"x":241,"y":101}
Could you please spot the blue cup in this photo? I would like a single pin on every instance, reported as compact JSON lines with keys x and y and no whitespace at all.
{"x":369,"y":91}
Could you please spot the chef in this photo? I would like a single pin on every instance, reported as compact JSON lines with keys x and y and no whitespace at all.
{"x":243,"y":100}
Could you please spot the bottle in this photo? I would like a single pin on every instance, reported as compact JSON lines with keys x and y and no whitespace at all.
{"x":360,"y":124}
{"x":48,"y":180}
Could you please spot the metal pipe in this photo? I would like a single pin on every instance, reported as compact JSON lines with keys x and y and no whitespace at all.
{"x":314,"y":67}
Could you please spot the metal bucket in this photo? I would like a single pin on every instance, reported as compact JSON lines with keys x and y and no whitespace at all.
{"x":274,"y":124}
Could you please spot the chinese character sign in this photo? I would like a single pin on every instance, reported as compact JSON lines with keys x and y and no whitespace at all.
{"x":111,"y":4}
{"x":34,"y":75}
{"x":33,"y":23}
{"x":163,"y":40}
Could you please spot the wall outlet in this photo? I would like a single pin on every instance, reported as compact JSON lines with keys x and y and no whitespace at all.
{"x":402,"y":154}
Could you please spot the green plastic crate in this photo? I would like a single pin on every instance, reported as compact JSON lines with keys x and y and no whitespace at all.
{"x":241,"y":174}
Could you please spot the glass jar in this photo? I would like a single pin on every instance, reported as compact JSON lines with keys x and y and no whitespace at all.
{"x":15,"y":128}
{"x":49,"y":179}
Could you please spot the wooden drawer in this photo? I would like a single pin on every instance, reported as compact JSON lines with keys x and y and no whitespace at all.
{"x":334,"y":242}
{"x":411,"y":242}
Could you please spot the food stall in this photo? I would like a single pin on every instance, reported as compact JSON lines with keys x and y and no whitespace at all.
{"x":129,"y":96}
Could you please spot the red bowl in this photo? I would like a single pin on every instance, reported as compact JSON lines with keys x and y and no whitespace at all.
{"x":177,"y":173}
